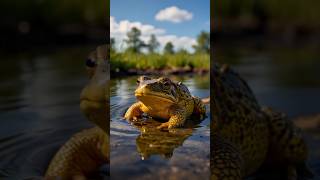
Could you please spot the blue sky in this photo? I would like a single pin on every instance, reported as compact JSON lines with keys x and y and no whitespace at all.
{"x":180,"y":20}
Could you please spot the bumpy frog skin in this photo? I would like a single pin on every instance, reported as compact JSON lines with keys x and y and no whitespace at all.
{"x":88,"y":150}
{"x":164,"y":99}
{"x":245,"y":136}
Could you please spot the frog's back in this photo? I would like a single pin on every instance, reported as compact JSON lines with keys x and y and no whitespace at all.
{"x":240,"y":119}
{"x":193,"y":104}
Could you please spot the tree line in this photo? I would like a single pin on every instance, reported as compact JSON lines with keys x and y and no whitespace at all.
{"x":135,"y":44}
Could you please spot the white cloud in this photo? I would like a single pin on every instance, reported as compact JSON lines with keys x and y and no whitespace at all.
{"x":182,"y":42}
{"x":173,"y":14}
{"x":118,"y":31}
{"x":125,"y":25}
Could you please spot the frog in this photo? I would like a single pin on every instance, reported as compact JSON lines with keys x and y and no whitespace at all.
{"x":163,"y":99}
{"x":247,"y":137}
{"x":85,"y":152}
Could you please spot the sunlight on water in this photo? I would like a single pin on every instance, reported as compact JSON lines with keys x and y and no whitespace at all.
{"x":135,"y":146}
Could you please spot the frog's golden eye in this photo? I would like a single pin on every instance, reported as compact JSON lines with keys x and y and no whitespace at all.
{"x":166,"y":83}
{"x":138,"y":82}
{"x":90,"y":63}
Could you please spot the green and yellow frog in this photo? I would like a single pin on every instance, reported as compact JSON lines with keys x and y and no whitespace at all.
{"x":246,"y":137}
{"x":83,"y":155}
{"x":162,"y":98}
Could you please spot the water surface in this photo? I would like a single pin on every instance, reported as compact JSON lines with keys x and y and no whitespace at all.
{"x":39,"y":107}
{"x":138,"y":151}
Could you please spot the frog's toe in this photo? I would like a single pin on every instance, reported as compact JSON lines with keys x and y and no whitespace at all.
{"x":128,"y":116}
{"x":163,"y":125}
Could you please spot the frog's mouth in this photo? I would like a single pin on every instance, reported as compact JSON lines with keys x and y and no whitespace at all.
{"x":144,"y":94}
{"x":92,"y":103}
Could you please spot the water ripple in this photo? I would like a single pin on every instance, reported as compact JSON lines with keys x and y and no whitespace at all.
{"x":159,"y":150}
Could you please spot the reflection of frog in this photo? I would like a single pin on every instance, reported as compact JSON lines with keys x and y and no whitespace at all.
{"x":153,"y":141}
{"x":245,"y":136}
{"x":164,"y":99}
{"x":88,"y":150}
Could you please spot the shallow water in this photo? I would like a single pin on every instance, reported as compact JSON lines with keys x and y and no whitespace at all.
{"x":287,"y":79}
{"x":139,"y":151}
{"x":39,"y":108}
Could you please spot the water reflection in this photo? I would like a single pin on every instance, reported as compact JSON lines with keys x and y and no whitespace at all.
{"x":136,"y":145}
{"x":153,"y":141}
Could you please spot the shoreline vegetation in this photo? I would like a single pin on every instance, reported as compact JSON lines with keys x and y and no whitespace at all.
{"x":141,"y":57}
{"x":123,"y":64}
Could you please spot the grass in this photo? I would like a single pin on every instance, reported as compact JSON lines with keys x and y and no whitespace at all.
{"x":127,"y":60}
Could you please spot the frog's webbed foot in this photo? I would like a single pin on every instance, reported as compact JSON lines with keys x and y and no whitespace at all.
{"x":176,"y":120}
{"x":133,"y":112}
{"x":163,"y":125}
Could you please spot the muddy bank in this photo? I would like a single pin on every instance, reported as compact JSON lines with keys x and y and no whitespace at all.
{"x":308,"y":123}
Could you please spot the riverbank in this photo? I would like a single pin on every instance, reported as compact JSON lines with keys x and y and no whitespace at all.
{"x":182,"y":62}
{"x":166,"y":71}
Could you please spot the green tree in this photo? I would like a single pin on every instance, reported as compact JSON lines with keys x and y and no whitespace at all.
{"x":153,"y":44}
{"x":112,"y":44}
{"x":203,"y":43}
{"x":168,"y":48}
{"x":182,"y":51}
{"x":134,"y":42}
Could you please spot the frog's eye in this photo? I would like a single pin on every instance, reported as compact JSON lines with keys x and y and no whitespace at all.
{"x":90,"y":63}
{"x":166,"y":83}
{"x":138,"y":82}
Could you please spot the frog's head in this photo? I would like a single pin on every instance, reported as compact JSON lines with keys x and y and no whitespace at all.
{"x":94,"y":97}
{"x":160,"y":92}
{"x":231,"y":94}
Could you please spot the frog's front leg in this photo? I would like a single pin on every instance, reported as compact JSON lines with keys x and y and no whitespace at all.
{"x":134,"y":111}
{"x":177,"y":119}
{"x":226,"y":161}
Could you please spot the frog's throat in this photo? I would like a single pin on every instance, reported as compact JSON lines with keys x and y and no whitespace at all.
{"x":145,"y":94}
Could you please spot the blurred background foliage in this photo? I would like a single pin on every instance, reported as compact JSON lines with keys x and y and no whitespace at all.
{"x":45,"y":20}
{"x":297,"y":17}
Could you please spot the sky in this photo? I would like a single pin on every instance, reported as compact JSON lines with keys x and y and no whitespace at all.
{"x":177,"y":21}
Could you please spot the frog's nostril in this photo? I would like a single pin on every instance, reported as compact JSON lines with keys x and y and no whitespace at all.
{"x":90,"y":63}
